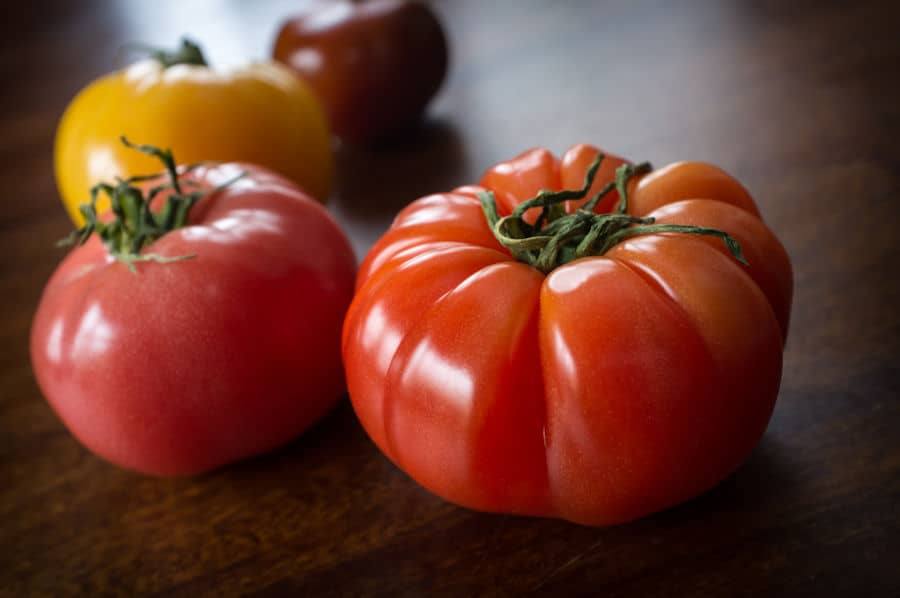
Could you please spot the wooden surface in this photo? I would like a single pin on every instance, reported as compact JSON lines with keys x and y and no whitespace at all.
{"x":800,"y":100}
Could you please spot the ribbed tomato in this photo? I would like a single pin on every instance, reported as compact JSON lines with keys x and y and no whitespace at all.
{"x":595,"y":363}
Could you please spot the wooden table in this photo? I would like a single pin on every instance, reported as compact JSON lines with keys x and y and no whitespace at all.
{"x":801,"y":101}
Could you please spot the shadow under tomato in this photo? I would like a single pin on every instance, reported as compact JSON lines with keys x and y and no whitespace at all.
{"x":375,"y":182}
{"x":756,"y":487}
{"x":336,"y":436}
{"x":457,"y":549}
{"x":426,"y":158}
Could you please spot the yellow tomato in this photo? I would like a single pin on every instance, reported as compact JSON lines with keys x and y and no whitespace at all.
{"x":260,"y":113}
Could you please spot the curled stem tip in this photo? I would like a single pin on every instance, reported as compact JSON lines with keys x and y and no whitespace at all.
{"x":134,"y":225}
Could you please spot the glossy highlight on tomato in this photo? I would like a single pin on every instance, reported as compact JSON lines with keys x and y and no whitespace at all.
{"x":222,"y":343}
{"x":599,"y":390}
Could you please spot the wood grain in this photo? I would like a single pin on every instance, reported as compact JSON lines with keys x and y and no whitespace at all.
{"x":801,"y":101}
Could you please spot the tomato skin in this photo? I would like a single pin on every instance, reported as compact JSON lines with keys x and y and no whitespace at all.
{"x":522,"y":177}
{"x":375,"y":65}
{"x":185,"y":366}
{"x":259,"y":114}
{"x":771,"y":265}
{"x":608,"y":389}
{"x":575,"y":163}
{"x":688,"y":180}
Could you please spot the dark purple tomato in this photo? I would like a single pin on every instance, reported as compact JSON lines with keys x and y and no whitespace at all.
{"x":374,"y":64}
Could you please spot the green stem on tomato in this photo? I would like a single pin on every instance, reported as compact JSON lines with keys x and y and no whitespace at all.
{"x":557,"y":238}
{"x":187,"y":53}
{"x":134,"y":225}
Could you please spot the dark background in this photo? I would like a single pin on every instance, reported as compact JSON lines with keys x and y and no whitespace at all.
{"x":799,"y":100}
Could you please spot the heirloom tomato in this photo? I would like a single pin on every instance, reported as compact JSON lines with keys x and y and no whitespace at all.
{"x":595,"y":353}
{"x":260,"y":114}
{"x":201,"y":331}
{"x":374,"y":64}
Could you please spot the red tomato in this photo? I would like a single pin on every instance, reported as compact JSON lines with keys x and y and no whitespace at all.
{"x":180,"y":367}
{"x":598,"y":390}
